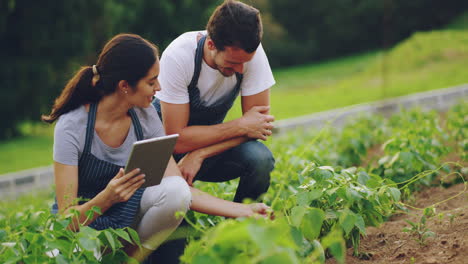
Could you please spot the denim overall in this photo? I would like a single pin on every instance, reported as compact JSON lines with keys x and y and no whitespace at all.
{"x":94,"y":174}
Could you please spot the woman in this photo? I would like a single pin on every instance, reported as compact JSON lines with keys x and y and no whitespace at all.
{"x":101,"y":111}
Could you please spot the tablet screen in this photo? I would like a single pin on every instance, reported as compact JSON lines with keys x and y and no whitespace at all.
{"x":152,"y":156}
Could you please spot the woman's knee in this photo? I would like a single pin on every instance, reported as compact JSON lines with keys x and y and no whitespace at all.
{"x":177,"y":192}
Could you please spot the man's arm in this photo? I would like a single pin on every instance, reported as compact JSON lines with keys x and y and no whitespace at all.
{"x":253,"y":124}
{"x":260,"y":99}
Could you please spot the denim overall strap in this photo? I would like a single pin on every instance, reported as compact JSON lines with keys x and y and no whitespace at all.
{"x":200,"y":112}
{"x":92,"y":121}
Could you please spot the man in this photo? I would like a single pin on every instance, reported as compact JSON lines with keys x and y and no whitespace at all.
{"x":201,"y":75}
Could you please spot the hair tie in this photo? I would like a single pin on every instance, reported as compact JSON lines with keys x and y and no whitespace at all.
{"x":96,"y":76}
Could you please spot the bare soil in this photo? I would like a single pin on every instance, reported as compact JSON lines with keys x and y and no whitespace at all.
{"x":389,"y":244}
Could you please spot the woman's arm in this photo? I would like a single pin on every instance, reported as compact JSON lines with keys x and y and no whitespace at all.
{"x":208,"y":204}
{"x":119,"y":189}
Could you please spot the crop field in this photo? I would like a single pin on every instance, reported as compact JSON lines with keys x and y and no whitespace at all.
{"x":330,"y":191}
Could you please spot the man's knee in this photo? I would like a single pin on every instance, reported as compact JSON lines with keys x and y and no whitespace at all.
{"x":257,"y":158}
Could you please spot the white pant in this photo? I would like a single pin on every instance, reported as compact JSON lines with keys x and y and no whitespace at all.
{"x":158,"y":207}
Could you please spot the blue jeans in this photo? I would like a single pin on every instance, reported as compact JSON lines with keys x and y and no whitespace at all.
{"x":251,"y":161}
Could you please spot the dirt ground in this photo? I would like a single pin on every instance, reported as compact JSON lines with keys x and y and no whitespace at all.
{"x":389,"y":244}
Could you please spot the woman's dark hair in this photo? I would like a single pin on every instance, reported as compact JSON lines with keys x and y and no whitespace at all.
{"x":125,"y":57}
{"x":235,"y":24}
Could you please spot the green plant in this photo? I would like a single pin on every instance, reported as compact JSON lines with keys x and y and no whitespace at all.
{"x":37,"y":236}
{"x":420,"y":229}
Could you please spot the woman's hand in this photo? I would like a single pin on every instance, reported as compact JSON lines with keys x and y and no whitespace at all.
{"x":190,"y":165}
{"x":260,"y":210}
{"x":123,"y":186}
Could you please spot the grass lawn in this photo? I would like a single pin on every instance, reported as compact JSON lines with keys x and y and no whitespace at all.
{"x":425,"y":61}
{"x":33,"y":150}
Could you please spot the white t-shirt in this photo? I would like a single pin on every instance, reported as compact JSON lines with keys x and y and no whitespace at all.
{"x":177,"y":68}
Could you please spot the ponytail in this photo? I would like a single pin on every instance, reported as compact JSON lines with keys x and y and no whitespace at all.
{"x":77,"y":92}
{"x":125,"y":57}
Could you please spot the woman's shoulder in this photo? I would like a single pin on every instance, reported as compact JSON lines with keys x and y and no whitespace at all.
{"x":74,"y":120}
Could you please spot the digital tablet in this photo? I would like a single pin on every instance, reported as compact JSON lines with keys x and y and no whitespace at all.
{"x":151,"y":156}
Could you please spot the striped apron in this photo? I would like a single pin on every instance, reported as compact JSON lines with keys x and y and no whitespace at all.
{"x":94,"y":174}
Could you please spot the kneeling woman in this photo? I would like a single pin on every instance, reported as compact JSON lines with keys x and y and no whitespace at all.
{"x":100,"y":113}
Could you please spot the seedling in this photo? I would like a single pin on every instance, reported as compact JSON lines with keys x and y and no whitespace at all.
{"x":420,"y":229}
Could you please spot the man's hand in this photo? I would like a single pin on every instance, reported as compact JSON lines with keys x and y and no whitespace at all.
{"x":190,"y":165}
{"x":257,"y":124}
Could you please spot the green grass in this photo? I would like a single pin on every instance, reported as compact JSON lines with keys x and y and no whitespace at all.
{"x":30,"y":151}
{"x":425,"y":61}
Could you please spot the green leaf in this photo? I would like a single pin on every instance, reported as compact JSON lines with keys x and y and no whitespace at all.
{"x":61,"y":244}
{"x":3,"y":235}
{"x":428,"y":234}
{"x":281,"y":257}
{"x":87,"y":231}
{"x":352,"y":194}
{"x":406,"y":158}
{"x":89,"y":244}
{"x":96,"y":209}
{"x":347,"y":221}
{"x":393,"y":160}
{"x":335,"y":243}
{"x":363,"y":177}
{"x":315,"y":194}
{"x":297,"y":236}
{"x":89,"y":214}
{"x":134,"y":235}
{"x":303,"y":199}
{"x":312,"y":223}
{"x":395,"y":193}
{"x":318,"y":253}
{"x":306,"y":197}
{"x":110,"y":239}
{"x":61,"y":259}
{"x":297,"y":213}
{"x":122,"y":234}
{"x":360,"y":224}
{"x":206,"y":258}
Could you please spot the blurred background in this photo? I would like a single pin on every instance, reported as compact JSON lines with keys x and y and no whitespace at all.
{"x":325,"y":53}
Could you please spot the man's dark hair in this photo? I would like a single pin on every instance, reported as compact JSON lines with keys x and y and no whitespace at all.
{"x":235,"y":24}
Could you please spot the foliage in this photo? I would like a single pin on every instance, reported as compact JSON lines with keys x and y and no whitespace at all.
{"x":41,"y":50}
{"x":34,"y":235}
{"x":322,"y":203}
{"x":411,"y":151}
{"x":338,"y":27}
{"x":457,"y":123}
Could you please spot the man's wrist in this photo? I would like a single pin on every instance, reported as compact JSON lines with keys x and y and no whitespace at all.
{"x":242,"y":131}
